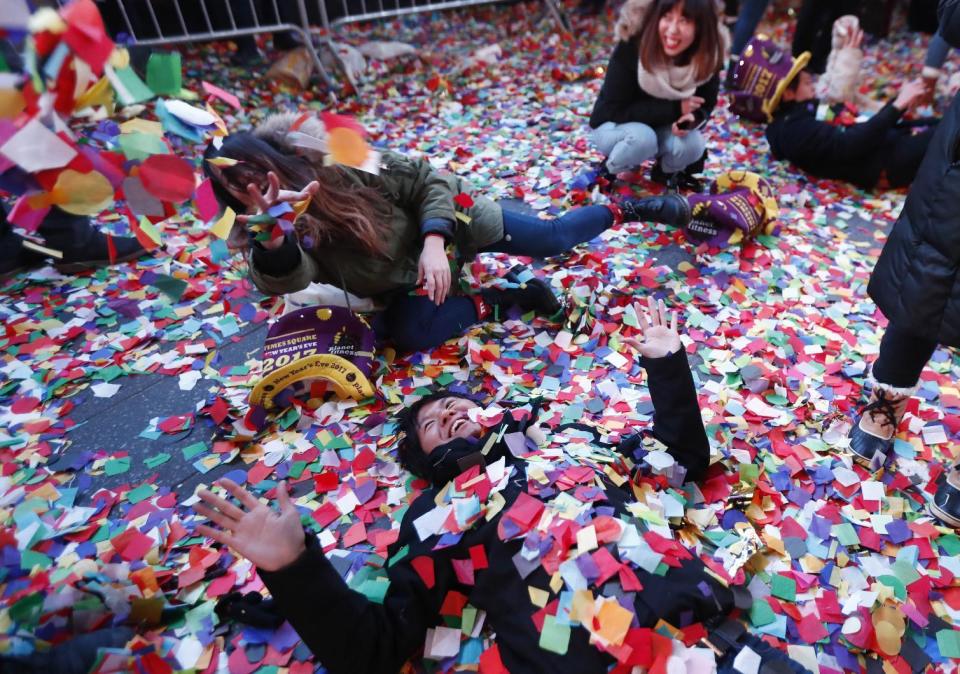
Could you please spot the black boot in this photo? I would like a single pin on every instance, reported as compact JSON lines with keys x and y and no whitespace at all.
{"x":669,"y":209}
{"x":14,"y":258}
{"x":946,"y":502}
{"x":533,"y":294}
{"x":83,"y":245}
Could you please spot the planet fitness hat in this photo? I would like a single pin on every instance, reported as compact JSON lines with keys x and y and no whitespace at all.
{"x":740,"y":205}
{"x":761,"y":76}
{"x":328,"y":343}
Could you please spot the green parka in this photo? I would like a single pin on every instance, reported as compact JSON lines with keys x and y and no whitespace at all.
{"x":416,"y":193}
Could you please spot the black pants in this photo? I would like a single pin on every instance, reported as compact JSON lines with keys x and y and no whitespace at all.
{"x":904,"y":154}
{"x":903,"y":356}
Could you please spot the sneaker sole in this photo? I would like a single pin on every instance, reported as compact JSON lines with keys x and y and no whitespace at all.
{"x":950,"y":520}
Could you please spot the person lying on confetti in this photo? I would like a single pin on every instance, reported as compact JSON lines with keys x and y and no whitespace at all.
{"x":381,"y":231}
{"x":771,"y":86}
{"x":70,"y":239}
{"x":550,"y":543}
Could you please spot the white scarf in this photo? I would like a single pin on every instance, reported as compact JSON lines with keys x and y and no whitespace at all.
{"x":673,"y":83}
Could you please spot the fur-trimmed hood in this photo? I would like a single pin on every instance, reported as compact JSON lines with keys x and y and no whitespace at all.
{"x":308,"y":136}
{"x":634,"y":12}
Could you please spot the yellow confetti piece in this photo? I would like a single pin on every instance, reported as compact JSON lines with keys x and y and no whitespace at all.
{"x":82,"y":193}
{"x":221,"y":228}
{"x":138,"y":125}
{"x":223,"y":162}
{"x":11,"y":103}
{"x":538,"y":597}
{"x":150,"y":231}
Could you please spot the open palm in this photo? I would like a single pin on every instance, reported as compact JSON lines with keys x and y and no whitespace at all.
{"x":269,"y":539}
{"x":658,"y":329}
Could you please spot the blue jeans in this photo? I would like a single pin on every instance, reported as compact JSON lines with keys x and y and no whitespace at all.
{"x":415,"y":323}
{"x":628,"y":145}
{"x":751,"y":11}
{"x":766,"y":652}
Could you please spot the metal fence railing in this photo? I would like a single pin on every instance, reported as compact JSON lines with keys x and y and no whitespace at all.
{"x":167,"y":22}
{"x":164,"y":22}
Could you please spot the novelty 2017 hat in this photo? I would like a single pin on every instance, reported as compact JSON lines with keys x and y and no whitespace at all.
{"x":761,"y":76}
{"x":740,"y":205}
{"x":329,"y":343}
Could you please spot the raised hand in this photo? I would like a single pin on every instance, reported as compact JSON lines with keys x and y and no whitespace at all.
{"x":269,"y":539}
{"x":910,"y":94}
{"x":264,"y":201}
{"x":658,"y":328}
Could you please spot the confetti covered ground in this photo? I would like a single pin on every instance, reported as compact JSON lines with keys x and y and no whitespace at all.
{"x":122,"y":390}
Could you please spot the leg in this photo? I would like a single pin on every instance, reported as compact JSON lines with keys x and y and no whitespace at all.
{"x":902,"y":358}
{"x":415,"y":323}
{"x":896,"y":371}
{"x":529,"y":236}
{"x":678,"y":153}
{"x":625,"y":145}
{"x":905,"y":156}
{"x":750,"y":14}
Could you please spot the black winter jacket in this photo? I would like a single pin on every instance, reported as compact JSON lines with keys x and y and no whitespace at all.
{"x":916,"y":282}
{"x":854,"y":153}
{"x":621,"y":99}
{"x":350,"y":634}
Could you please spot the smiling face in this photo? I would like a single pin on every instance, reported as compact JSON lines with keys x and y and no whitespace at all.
{"x":677,"y":31}
{"x":445,"y":419}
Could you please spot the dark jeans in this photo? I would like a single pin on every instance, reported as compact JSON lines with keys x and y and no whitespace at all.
{"x":415,"y":323}
{"x":902,"y":358}
{"x":815,"y":27}
{"x":766,"y":652}
{"x":751,"y":11}
{"x":904,"y":155}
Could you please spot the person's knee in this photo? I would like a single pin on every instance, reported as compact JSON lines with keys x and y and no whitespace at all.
{"x":642,"y":138}
{"x":678,"y":153}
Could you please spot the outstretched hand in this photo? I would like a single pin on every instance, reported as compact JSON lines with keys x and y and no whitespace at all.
{"x":264,"y":201}
{"x":658,"y":329}
{"x":269,"y":539}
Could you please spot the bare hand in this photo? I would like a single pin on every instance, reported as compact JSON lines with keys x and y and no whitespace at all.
{"x":273,"y":196}
{"x":658,"y":329}
{"x":269,"y":539}
{"x":434,"y":268}
{"x":677,"y":131}
{"x":910,"y":94}
{"x":689,"y":105}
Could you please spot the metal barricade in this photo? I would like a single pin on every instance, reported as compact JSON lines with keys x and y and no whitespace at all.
{"x":165,"y":22}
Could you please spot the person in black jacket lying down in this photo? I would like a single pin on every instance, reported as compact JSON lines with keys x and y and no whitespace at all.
{"x":881,"y":151}
{"x":619,"y":578}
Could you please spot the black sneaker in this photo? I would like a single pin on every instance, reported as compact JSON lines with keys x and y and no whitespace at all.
{"x":681,"y":180}
{"x":946,"y":502}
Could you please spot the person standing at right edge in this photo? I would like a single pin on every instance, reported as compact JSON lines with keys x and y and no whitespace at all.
{"x":916,"y":284}
{"x":660,"y":88}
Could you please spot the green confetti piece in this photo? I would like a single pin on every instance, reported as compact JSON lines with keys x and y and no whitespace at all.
{"x":156,"y":460}
{"x":143,"y":492}
{"x":784,"y":588}
{"x":554,"y":637}
{"x":761,"y":613}
{"x":117,"y":466}
{"x":948,"y":641}
{"x":194,"y":450}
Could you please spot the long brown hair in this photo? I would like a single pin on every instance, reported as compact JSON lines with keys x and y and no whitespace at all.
{"x":706,"y":53}
{"x":341,"y":212}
